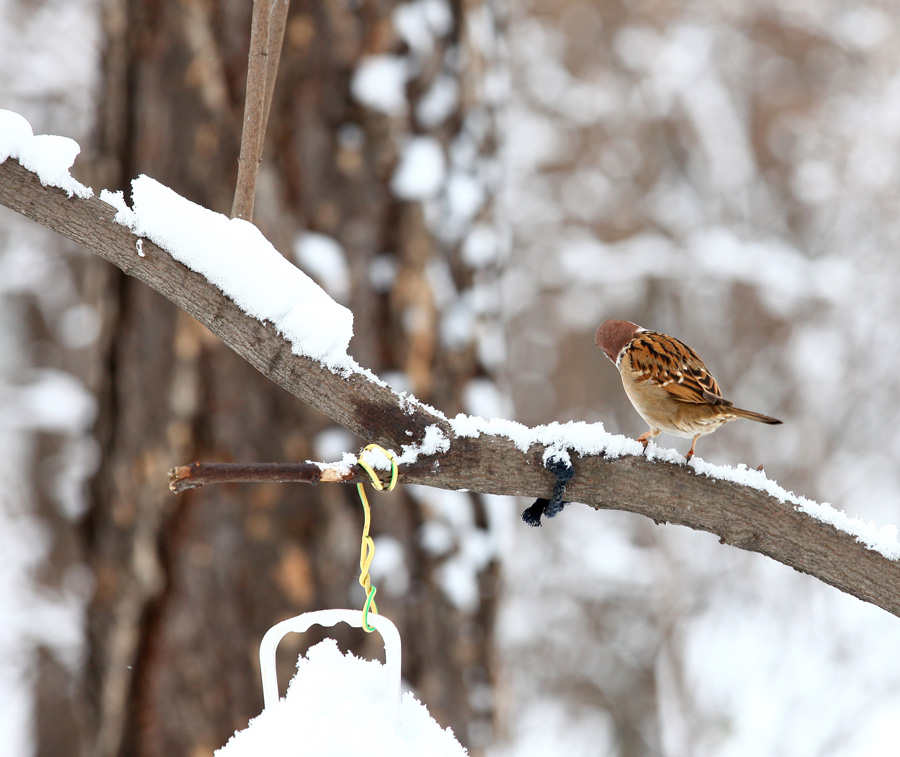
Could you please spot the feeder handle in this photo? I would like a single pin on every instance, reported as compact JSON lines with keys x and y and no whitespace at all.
{"x":389,"y":635}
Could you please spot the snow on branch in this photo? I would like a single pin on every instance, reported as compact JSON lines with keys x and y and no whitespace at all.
{"x":277,"y":319}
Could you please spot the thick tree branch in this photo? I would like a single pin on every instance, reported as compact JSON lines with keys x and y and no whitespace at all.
{"x":740,"y":516}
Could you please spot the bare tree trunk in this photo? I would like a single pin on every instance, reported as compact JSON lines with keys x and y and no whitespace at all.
{"x":187,"y":586}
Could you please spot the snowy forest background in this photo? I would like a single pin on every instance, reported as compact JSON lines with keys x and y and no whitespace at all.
{"x":724,"y":172}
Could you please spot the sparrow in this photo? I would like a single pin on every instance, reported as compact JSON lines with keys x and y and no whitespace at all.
{"x":668,"y":384}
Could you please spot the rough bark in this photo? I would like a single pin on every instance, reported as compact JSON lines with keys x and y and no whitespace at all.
{"x":741,"y":516}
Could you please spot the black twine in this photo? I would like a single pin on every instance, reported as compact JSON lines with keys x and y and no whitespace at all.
{"x":551,"y":507}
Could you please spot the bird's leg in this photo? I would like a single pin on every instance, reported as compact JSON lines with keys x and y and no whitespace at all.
{"x":690,"y":453}
{"x":645,"y":439}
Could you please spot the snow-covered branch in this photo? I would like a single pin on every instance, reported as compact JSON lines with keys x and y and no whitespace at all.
{"x":742,"y":507}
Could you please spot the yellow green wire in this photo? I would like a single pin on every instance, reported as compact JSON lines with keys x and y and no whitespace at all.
{"x":367,"y":546}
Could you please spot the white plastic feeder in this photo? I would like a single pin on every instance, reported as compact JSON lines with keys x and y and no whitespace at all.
{"x":389,"y":635}
{"x":338,"y":705}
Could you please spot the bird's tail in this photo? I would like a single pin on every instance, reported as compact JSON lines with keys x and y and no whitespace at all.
{"x":751,"y":416}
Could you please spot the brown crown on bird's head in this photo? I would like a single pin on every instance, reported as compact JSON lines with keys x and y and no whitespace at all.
{"x":612,"y":336}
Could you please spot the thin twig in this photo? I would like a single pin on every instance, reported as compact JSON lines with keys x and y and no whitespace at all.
{"x":266,"y":37}
{"x":195,"y":475}
{"x":277,"y":24}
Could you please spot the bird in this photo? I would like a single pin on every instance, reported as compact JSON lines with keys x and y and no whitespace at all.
{"x":668,"y":384}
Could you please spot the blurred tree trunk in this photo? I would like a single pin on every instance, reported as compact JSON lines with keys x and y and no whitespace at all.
{"x":187,"y":586}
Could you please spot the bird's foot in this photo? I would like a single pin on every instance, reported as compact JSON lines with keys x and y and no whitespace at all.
{"x":644,"y":439}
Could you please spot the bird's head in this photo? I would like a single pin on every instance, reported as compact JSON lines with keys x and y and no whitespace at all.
{"x":612,"y":336}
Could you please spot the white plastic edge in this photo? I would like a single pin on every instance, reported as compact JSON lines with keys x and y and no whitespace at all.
{"x":389,"y":635}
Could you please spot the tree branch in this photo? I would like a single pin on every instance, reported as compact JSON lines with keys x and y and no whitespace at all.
{"x":741,"y":516}
{"x":266,"y":37}
{"x":195,"y":475}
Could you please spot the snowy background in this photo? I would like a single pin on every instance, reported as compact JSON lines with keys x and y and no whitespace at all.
{"x":725,"y":173}
{"x":48,"y":69}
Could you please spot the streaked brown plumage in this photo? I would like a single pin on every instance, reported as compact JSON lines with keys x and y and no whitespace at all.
{"x":668,"y":384}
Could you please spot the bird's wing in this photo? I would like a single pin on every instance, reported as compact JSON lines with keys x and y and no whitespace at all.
{"x":675,"y":367}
